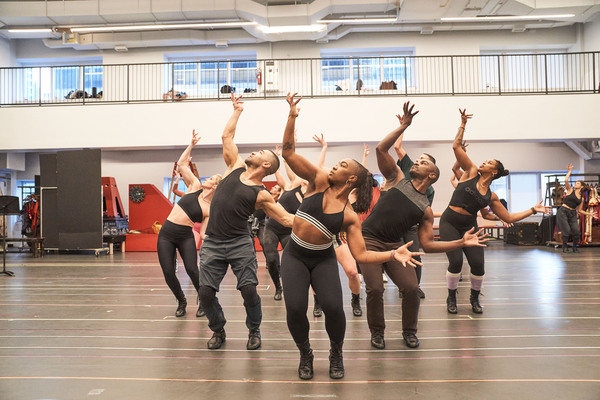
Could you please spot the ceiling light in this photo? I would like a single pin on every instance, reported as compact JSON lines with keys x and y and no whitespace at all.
{"x":153,"y":27}
{"x":509,"y":17}
{"x":31,"y":30}
{"x":293,"y":28}
{"x":358,"y":20}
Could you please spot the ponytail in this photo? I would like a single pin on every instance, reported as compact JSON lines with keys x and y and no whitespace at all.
{"x":501,"y":171}
{"x":364,"y":188}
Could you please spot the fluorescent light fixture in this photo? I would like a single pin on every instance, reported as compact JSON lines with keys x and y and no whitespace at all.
{"x":509,"y":17}
{"x":293,"y":28}
{"x":154,"y":27}
{"x":358,"y":20}
{"x":31,"y":30}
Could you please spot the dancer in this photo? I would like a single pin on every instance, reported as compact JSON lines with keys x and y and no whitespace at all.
{"x":566,"y":216}
{"x":405,"y":164}
{"x":228,"y":240}
{"x":176,"y":233}
{"x":275,"y":233}
{"x":309,"y":258}
{"x":340,"y":245}
{"x":402,"y":205}
{"x":471,"y":195}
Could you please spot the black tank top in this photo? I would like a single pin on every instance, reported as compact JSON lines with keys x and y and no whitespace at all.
{"x":467,"y":197}
{"x":289,"y":201}
{"x":231,"y":205}
{"x":311,"y":210}
{"x":394,"y":214}
{"x":260,"y":215}
{"x":572,"y":201}
{"x":189,"y":204}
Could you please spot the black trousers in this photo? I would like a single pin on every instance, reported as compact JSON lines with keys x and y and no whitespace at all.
{"x":173,"y":237}
{"x":301,"y":269}
{"x":568,"y":225}
{"x":452,"y":227}
{"x":270,"y":242}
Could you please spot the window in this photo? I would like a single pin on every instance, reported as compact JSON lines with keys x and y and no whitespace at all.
{"x":341,"y":69}
{"x":52,"y":83}
{"x":197,"y":77}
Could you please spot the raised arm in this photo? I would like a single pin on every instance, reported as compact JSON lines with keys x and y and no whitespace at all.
{"x":567,"y":184}
{"x":230,"y":151}
{"x":176,"y":191}
{"x":385,"y":162}
{"x":300,"y":165}
{"x":278,"y":175}
{"x":183,"y":165}
{"x":321,"y":140}
{"x":460,"y":152}
{"x":365,"y":154}
{"x":509,"y":218}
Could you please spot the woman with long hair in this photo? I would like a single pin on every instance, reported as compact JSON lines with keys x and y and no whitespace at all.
{"x":309,"y":258}
{"x":471,"y":195}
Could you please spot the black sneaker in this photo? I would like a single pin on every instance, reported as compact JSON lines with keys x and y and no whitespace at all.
{"x":278,"y":292}
{"x":217,"y":340}
{"x":355,"y":302}
{"x":181,"y":305}
{"x":200,"y":312}
{"x":377,"y":341}
{"x":411,"y":340}
{"x":254,"y":341}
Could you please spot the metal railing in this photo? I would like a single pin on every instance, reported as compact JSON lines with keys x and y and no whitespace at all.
{"x":319,"y":77}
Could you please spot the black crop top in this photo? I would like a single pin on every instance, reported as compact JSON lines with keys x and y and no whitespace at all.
{"x":231,"y":205}
{"x":311,"y":210}
{"x":289,"y":201}
{"x":572,"y":201}
{"x":467,"y":197}
{"x":189,"y":203}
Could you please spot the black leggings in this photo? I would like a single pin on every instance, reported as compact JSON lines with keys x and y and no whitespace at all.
{"x":452,"y":227}
{"x":302,"y":268}
{"x":174,"y":237}
{"x":568,"y":225}
{"x":269,"y":243}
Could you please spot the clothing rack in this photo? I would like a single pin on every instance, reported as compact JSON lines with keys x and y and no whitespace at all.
{"x":589,"y":179}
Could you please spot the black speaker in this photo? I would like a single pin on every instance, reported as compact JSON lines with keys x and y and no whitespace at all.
{"x":523,"y":233}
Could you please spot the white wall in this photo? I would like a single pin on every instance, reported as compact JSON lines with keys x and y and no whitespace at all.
{"x":591,"y":35}
{"x":7,"y":53}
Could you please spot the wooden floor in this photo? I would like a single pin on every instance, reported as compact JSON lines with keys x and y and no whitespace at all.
{"x":86,"y":327}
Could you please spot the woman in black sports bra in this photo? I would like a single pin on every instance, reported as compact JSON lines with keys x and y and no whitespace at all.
{"x":471,"y":195}
{"x":566,"y":216}
{"x":309,"y":258}
{"x":176,"y":233}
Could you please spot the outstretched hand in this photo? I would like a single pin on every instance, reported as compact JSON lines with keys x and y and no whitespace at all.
{"x":237,"y":104}
{"x":294,"y":110}
{"x":472,"y":238}
{"x":321,"y":140}
{"x":407,"y":118}
{"x":405,"y":256}
{"x":464,"y":117}
{"x":365,"y":150}
{"x":195,"y":137}
{"x":542,"y":209}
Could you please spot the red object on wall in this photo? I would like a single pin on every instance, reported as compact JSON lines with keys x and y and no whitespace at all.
{"x":112,"y":200}
{"x":154,"y":207}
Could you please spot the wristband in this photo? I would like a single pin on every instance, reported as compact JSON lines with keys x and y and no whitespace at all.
{"x":533,"y":211}
{"x":392,"y":255}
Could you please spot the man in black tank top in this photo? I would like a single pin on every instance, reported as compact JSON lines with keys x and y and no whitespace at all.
{"x":404,"y":205}
{"x":228,"y":241}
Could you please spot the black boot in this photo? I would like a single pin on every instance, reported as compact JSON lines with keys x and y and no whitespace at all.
{"x":356,"y":310}
{"x":575,"y":248}
{"x":565,"y":248}
{"x":217,"y":340}
{"x":200,"y":312}
{"x":317,"y":311}
{"x":180,"y":312}
{"x":336,"y":361}
{"x":278,"y":291}
{"x":305,"y":369}
{"x":451,"y":302}
{"x":477,"y":309}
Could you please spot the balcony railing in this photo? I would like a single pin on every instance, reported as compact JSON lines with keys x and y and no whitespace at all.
{"x":363,"y":76}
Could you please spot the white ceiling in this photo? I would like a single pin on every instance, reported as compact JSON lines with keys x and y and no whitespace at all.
{"x":411,"y":15}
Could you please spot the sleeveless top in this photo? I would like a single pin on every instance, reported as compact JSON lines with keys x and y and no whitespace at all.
{"x":571,"y":200}
{"x":189,"y":204}
{"x":394,"y":214}
{"x":289,"y":201}
{"x":467,"y":197}
{"x":231,"y":205}
{"x":311,"y":210}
